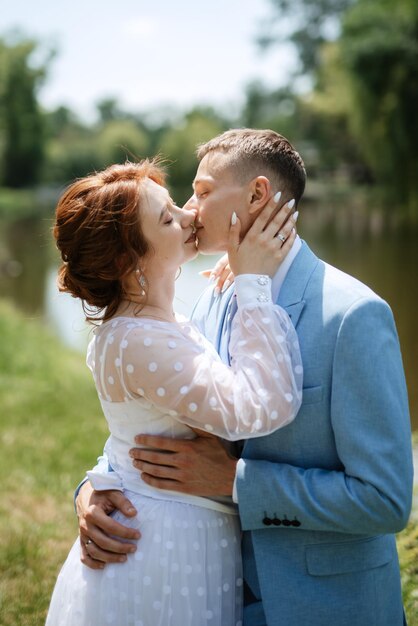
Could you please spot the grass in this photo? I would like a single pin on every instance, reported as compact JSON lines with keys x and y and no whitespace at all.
{"x":52,"y":430}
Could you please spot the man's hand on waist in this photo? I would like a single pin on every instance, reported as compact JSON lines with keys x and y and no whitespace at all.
{"x":200,"y":467}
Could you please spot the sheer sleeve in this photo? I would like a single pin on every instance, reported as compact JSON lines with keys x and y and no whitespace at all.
{"x":177,"y":370}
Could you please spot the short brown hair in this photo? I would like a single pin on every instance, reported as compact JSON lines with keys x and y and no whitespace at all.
{"x":98,"y":232}
{"x":253,"y":153}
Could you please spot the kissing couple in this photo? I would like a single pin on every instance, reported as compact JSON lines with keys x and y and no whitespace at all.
{"x":259,"y":461}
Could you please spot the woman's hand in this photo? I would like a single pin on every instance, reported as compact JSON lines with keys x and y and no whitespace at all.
{"x":267,"y":242}
{"x":221,"y":274}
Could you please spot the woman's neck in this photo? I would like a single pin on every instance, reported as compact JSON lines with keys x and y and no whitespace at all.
{"x":159,"y":301}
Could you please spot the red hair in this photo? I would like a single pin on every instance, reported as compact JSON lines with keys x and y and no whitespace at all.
{"x":98,"y":232}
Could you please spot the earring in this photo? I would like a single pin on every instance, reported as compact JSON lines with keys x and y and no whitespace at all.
{"x":141,"y":280}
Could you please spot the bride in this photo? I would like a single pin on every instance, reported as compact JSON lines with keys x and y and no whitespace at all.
{"x":122,"y":240}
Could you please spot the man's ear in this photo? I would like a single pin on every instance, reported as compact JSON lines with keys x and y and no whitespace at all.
{"x":260,"y":193}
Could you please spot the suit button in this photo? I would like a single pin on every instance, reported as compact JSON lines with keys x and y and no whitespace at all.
{"x":266,"y":520}
{"x":286,"y":522}
{"x":276,"y":521}
{"x":295,"y":523}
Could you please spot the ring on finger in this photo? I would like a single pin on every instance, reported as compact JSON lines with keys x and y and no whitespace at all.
{"x":88,"y":542}
{"x":281,"y":237}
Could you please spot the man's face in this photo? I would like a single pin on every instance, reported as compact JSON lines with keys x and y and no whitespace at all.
{"x":217,"y":194}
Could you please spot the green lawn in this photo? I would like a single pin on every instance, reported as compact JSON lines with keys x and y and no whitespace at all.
{"x":51,"y":430}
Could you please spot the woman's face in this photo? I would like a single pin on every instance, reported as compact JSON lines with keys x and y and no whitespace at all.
{"x":168,"y":229}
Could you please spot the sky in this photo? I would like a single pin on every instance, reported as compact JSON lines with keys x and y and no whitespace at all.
{"x":149,"y":55}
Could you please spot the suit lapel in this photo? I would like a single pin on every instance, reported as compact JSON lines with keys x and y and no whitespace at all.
{"x":294,"y":311}
{"x":291,"y":296}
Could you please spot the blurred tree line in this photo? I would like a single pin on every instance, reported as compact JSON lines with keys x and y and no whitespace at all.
{"x":350,"y":108}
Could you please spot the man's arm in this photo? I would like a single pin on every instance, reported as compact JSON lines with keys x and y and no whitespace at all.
{"x":201,"y":466}
{"x":371,"y":425}
{"x":370,"y":421}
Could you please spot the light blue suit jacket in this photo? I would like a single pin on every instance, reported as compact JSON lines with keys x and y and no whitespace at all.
{"x":320,"y":499}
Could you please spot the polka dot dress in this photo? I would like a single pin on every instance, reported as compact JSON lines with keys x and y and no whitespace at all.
{"x":186,"y":572}
{"x":177,"y":370}
{"x":163,"y":378}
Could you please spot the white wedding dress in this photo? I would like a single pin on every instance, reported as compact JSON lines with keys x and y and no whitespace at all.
{"x":162,"y":378}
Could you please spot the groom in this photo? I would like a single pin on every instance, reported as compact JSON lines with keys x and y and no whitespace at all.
{"x":321,"y":499}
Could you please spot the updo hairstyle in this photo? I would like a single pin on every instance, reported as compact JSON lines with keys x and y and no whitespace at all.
{"x":98,"y":232}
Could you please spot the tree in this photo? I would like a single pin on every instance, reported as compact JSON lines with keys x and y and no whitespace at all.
{"x":120,"y":139}
{"x":265,"y":108}
{"x":379,"y":50}
{"x":178,"y":146}
{"x":328,"y":109}
{"x":22,"y":126}
{"x":305,"y":23}
{"x":70,"y":147}
{"x":109,"y":110}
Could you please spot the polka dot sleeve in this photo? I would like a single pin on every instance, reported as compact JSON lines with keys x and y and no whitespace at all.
{"x":176,"y":369}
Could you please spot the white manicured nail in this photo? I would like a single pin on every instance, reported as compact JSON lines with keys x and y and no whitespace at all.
{"x":234,"y":218}
{"x":291,"y":203}
{"x":277,"y":196}
{"x":295,"y":216}
{"x":226,"y":285}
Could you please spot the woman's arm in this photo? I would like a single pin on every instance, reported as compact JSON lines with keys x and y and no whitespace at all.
{"x":259,"y":393}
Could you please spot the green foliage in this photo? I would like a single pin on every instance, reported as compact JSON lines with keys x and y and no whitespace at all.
{"x":118,"y":140}
{"x":21,"y":121}
{"x":329,"y":107}
{"x":109,"y":110}
{"x":360,"y":118}
{"x":307,"y":24}
{"x":70,"y":150}
{"x":379,"y":48}
{"x":75,"y":149}
{"x":178,"y":145}
{"x":408,"y":555}
{"x":69,"y":157}
{"x":79,"y":152}
{"x":278,"y":109}
{"x":358,"y":124}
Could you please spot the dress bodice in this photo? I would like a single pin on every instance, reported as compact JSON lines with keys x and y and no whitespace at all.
{"x":165,"y":378}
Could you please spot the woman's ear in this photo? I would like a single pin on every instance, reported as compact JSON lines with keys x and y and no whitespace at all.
{"x":260,"y":192}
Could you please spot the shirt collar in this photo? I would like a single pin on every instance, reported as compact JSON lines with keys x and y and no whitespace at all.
{"x":280,"y":275}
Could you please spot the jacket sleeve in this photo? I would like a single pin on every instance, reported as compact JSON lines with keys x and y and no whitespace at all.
{"x":371,"y":492}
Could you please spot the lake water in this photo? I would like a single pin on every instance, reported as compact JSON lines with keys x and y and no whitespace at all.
{"x":65,"y":313}
{"x":356,"y":243}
